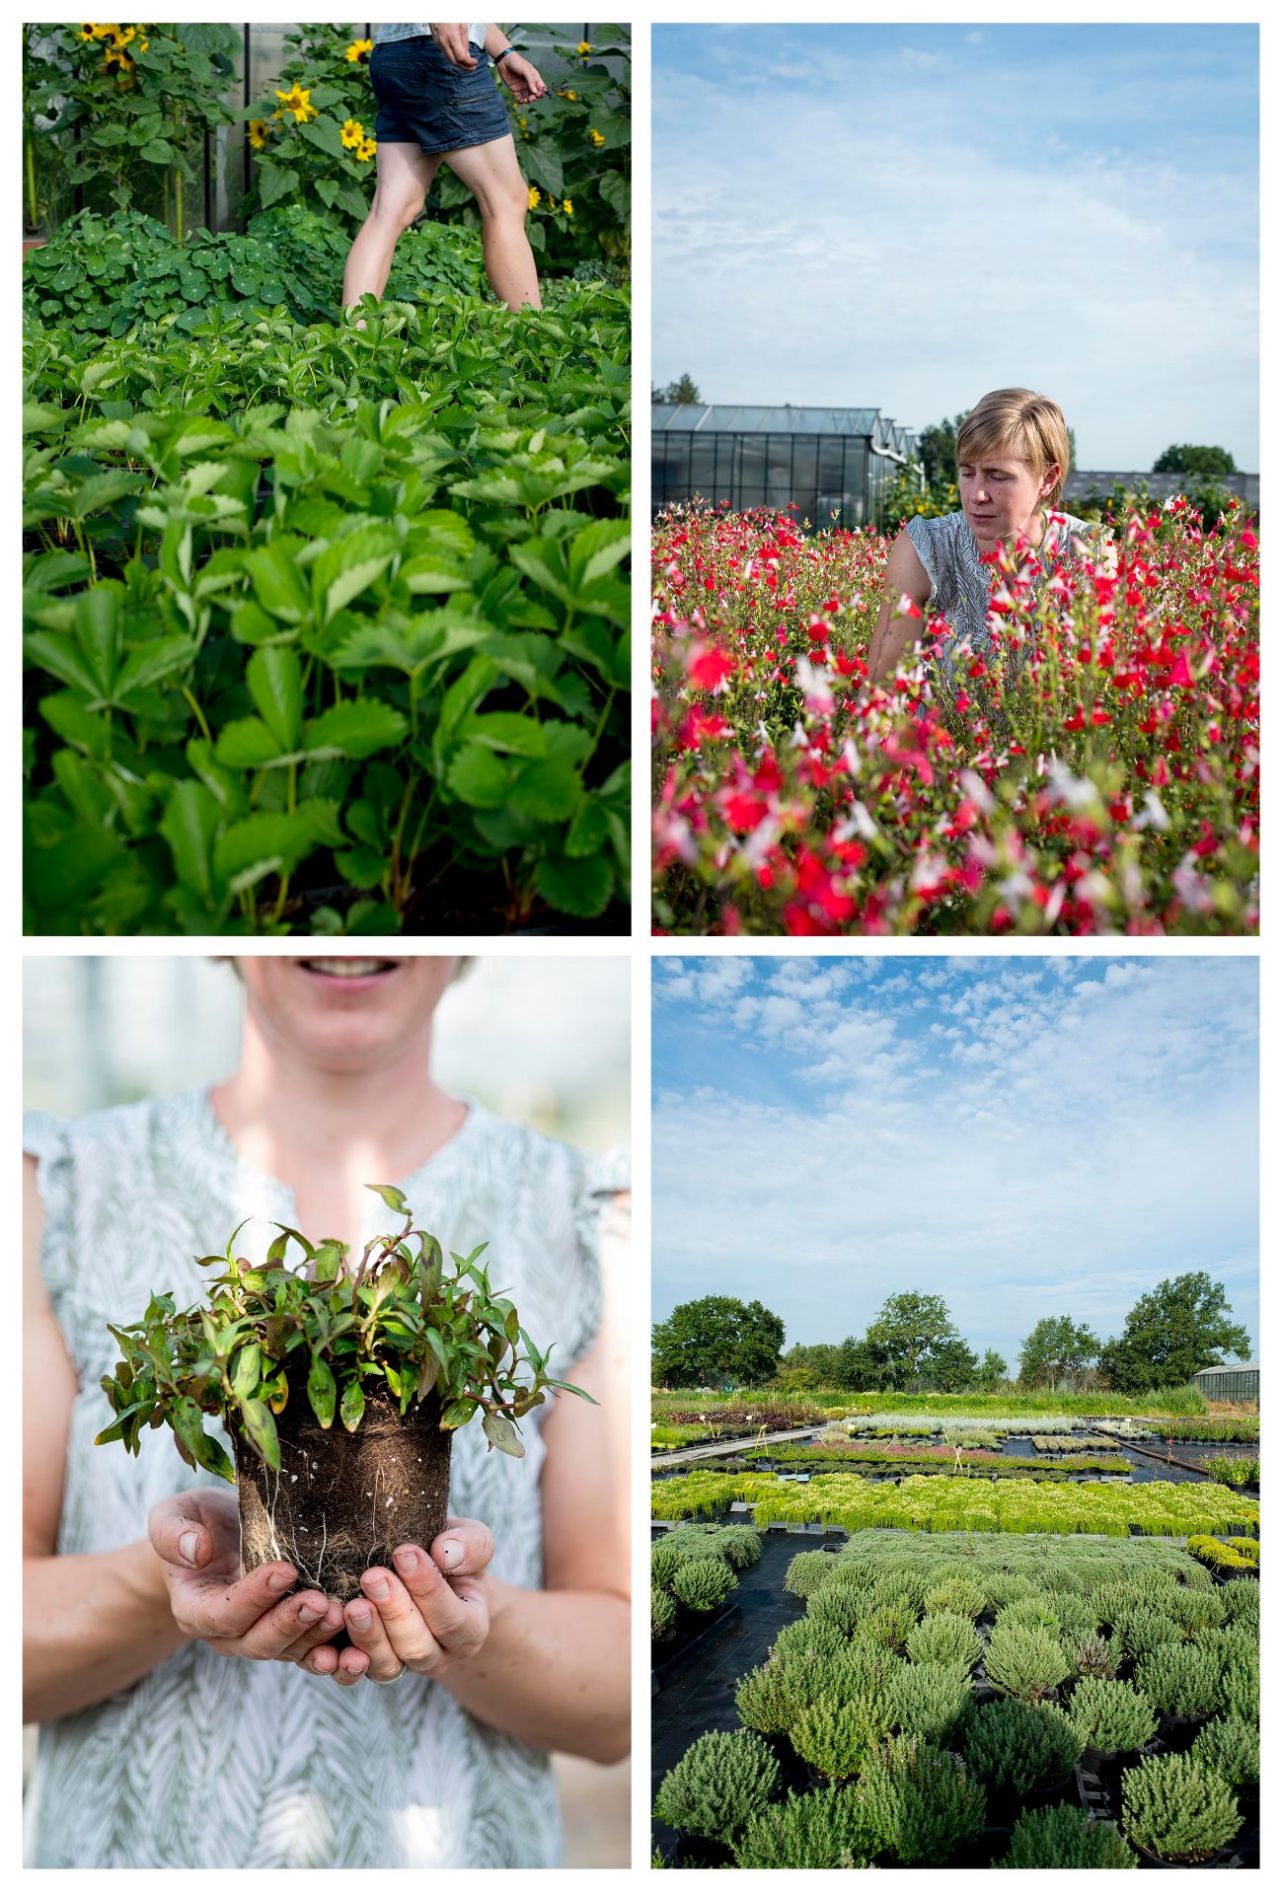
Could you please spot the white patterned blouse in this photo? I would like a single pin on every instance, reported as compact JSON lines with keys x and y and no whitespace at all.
{"x":215,"y":1762}
{"x":961,"y":583}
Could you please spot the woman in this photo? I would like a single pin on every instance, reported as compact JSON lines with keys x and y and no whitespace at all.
{"x":437,"y":103}
{"x":1012,"y":457}
{"x":160,"y":1745}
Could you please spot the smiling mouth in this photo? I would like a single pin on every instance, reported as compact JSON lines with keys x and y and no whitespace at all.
{"x":348,"y":968}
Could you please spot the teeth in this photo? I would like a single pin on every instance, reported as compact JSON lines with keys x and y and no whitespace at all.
{"x":348,"y":969}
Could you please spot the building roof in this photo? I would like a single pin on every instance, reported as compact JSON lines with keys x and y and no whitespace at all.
{"x":1231,"y":1367}
{"x":692,"y":417}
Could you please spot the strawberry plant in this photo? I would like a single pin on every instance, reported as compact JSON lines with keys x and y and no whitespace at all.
{"x":324,"y":627}
{"x":402,"y":1350}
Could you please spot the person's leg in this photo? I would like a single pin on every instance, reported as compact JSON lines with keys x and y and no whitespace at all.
{"x":492,"y":174}
{"x":405,"y":175}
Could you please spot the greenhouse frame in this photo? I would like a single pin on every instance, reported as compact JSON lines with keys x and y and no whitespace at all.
{"x":833,"y":463}
{"x":1233,"y":1381}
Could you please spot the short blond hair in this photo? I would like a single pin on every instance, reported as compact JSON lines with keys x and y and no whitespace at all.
{"x":1018,"y":421}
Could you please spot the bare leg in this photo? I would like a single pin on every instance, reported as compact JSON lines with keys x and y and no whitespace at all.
{"x":492,"y":174}
{"x":405,"y":175}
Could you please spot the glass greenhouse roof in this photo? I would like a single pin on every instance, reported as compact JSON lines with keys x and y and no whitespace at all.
{"x":723,"y":419}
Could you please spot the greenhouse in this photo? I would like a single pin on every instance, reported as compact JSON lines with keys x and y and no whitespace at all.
{"x":1234,"y":1381}
{"x":834,"y":463}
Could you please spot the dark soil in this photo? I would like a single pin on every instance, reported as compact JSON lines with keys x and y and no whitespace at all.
{"x":342,"y":1502}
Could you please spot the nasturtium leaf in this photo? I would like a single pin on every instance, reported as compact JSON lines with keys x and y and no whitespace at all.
{"x":322,"y":1391}
{"x":501,"y":1433}
{"x":352,"y":1406}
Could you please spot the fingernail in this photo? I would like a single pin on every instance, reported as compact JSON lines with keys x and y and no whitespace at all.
{"x":187,"y":1546}
{"x":376,"y":1585}
{"x":406,"y":1559}
{"x":307,"y":1614}
{"x":279,"y":1581}
{"x":360,"y":1614}
{"x":451,"y":1552}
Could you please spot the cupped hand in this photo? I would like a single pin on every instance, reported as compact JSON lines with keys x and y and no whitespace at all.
{"x":196,"y":1536}
{"x":424,"y":1615}
{"x":523,"y":78}
{"x":455,"y":43}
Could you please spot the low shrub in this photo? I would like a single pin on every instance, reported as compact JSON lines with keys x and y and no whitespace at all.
{"x":1224,"y":1555}
{"x":929,"y":1700}
{"x":1065,"y":1616}
{"x":1094,"y":1657}
{"x":740,"y":1545}
{"x":805,"y":1638}
{"x":837,"y":1732}
{"x":662,"y":1614}
{"x":1232,"y":1472}
{"x":1194,"y":1611}
{"x":922,"y":1803}
{"x":703,"y":1584}
{"x":1182,"y":1679}
{"x":665,"y":1561}
{"x":1241,"y":1599}
{"x":1141,"y":1629}
{"x":767,"y":1698}
{"x":1025,"y":1661}
{"x":823,"y":1829}
{"x":1177,"y":1809}
{"x":718,"y":1784}
{"x":807,"y":1571}
{"x":1016,"y":1747}
{"x":944,"y":1637}
{"x":957,"y":1594}
{"x":1228,"y":1747}
{"x":1111,"y":1716}
{"x":838,"y":1605}
{"x":890,"y":1625}
{"x":1065,"y":1837}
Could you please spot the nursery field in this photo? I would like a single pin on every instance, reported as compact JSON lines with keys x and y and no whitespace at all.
{"x":1096,"y":773}
{"x":951,"y":1699}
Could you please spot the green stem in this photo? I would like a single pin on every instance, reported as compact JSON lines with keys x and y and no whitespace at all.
{"x":29,"y":165}
{"x":198,"y":715}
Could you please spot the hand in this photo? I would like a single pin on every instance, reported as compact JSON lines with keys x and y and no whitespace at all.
{"x":422,"y":1616}
{"x":455,"y":45}
{"x":196,"y":1536}
{"x":524,"y":79}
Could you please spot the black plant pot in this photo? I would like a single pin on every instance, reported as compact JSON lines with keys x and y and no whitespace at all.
{"x":1220,"y":1859}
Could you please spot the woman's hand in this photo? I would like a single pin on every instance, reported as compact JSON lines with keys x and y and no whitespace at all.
{"x":196,"y":1536}
{"x":455,"y":43}
{"x":421,"y":1616}
{"x":522,"y":76}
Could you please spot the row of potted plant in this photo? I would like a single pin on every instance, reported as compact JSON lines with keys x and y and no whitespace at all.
{"x":924,"y":1458}
{"x":696,"y":1567}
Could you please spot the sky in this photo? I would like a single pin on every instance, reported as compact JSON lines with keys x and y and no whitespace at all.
{"x":1022,"y":1136}
{"x":907,"y":217}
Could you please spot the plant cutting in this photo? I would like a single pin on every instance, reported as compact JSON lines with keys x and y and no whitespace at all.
{"x":401,"y":1352}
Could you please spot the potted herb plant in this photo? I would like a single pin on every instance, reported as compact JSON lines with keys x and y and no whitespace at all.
{"x":401,"y":1351}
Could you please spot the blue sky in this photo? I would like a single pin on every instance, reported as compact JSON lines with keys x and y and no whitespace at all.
{"x":1023,"y":1136}
{"x":906,"y":217}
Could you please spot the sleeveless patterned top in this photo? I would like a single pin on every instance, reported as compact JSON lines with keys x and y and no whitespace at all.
{"x":216,"y":1762}
{"x":961,"y":583}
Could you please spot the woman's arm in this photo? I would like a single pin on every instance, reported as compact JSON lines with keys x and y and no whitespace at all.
{"x":93,"y":1623}
{"x":896,"y":631}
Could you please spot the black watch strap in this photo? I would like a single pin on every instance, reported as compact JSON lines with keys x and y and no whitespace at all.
{"x":499,"y":57}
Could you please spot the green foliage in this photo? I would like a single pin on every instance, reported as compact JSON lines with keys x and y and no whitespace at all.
{"x":922,"y":1803}
{"x":1067,"y":1617}
{"x":823,"y":1829}
{"x":1182,"y":1679}
{"x":119,"y":114}
{"x":328,"y":609}
{"x":1177,"y":1809}
{"x":718,"y":1784}
{"x":1111,"y":1716}
{"x":665,"y":1560}
{"x":957,"y":1593}
{"x":837,"y":1732}
{"x":1241,"y":1600}
{"x":1065,"y":1837}
{"x":1182,"y":1325}
{"x":837,"y":1605}
{"x":888,"y":1625}
{"x":1228,"y":1747}
{"x":662,"y":1613}
{"x":1232,"y":1471}
{"x":804,"y":1636}
{"x":909,"y":1334}
{"x":715,"y":1338}
{"x":1057,"y":1350}
{"x":807,"y":1571}
{"x":1094,"y":1657}
{"x":1140,"y":1628}
{"x":1025,"y":1661}
{"x":944,"y":1637}
{"x":929,"y":1700}
{"x":1020,"y":1746}
{"x":1224,"y":1555}
{"x":297,"y":128}
{"x":766,"y":1698}
{"x":703,"y":1584}
{"x":740,"y":1546}
{"x":1187,"y":459}
{"x":403,"y":1317}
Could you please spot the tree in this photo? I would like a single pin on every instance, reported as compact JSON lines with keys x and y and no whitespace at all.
{"x":908,"y":1334}
{"x":1188,"y":459}
{"x":716,"y":1339}
{"x":683,"y":392}
{"x":991,"y":1372}
{"x":1183,"y":1324}
{"x":1056,"y":1351}
{"x":810,"y":1365}
{"x":860,"y":1367}
{"x":953,"y":1367}
{"x":936,"y":446}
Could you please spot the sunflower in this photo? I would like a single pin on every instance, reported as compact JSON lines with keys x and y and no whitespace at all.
{"x":298,"y":101}
{"x":352,"y":133}
{"x":258,"y":129}
{"x":584,"y":47}
{"x":535,"y":197}
{"x":597,"y":138}
{"x":567,"y":207}
{"x":366,"y":149}
{"x":358,"y":51}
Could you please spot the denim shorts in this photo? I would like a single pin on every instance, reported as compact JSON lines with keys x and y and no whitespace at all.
{"x":424,"y":100}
